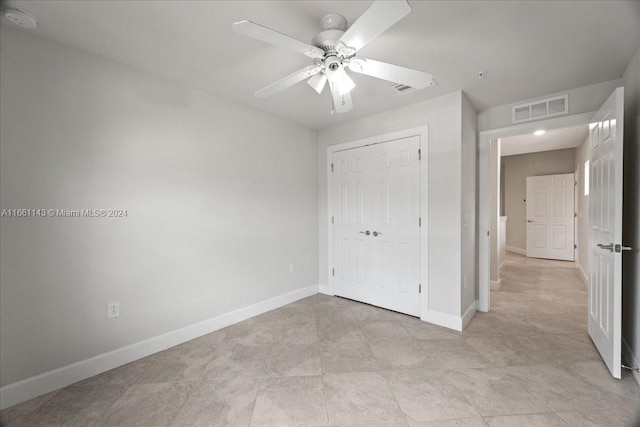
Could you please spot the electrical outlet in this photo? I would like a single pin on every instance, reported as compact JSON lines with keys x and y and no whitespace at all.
{"x":113,"y":310}
{"x":292,"y":268}
{"x":464,"y":281}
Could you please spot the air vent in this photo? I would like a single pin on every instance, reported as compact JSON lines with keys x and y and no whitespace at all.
{"x":537,"y":110}
{"x":402,"y":89}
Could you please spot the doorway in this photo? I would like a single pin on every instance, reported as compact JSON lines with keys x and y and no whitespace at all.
{"x":491,"y":147}
{"x":605,"y":203}
{"x":534,"y":196}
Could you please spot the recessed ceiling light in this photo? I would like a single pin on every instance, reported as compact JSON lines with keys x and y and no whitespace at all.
{"x":21,"y":18}
{"x":540,"y":132}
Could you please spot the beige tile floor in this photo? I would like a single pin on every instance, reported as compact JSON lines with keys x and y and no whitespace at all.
{"x":330,"y":361}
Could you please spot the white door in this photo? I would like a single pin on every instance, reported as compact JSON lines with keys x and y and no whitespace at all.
{"x":376,"y":202}
{"x":605,"y":203}
{"x":550,"y":216}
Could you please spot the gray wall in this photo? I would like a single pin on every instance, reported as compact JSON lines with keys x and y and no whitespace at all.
{"x":516,"y":170}
{"x":220,"y":199}
{"x":631,"y":212}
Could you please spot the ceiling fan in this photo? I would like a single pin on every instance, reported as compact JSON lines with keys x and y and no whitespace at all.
{"x":334,"y":49}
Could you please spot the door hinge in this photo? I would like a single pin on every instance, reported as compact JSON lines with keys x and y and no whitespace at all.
{"x":333,"y":271}
{"x":419,"y":288}
{"x":332,"y":167}
{"x":332,"y":220}
{"x":419,"y":154}
{"x":419,"y":222}
{"x":575,"y":214}
{"x":575,"y":246}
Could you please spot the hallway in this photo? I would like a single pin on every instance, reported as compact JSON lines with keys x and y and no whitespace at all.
{"x":541,"y":313}
{"x":328,"y":361}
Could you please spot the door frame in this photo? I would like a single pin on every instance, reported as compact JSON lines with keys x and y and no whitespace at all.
{"x":422,"y":132}
{"x":576,"y":194}
{"x":485,"y":140}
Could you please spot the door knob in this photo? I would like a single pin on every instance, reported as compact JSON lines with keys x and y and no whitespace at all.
{"x":375,"y":234}
{"x":609,"y":246}
{"x":366,"y":232}
{"x":529,"y":220}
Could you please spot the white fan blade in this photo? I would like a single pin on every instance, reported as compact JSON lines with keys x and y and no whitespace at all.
{"x":341,"y":102}
{"x":394,"y":73}
{"x":318,"y":82}
{"x":374,"y":21}
{"x":258,"y":32}
{"x":288,"y":81}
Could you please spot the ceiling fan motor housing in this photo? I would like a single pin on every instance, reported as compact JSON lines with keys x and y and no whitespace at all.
{"x":333,"y":27}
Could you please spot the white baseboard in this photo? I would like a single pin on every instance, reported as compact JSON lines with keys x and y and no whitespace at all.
{"x":631,"y":358}
{"x":38,"y":385}
{"x":583,"y":275}
{"x":325,"y":289}
{"x":502,"y":266}
{"x":466,"y":317}
{"x":443,"y":319}
{"x":516,"y":250}
{"x":495,"y":284}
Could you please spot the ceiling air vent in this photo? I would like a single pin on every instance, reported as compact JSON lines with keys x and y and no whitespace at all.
{"x":402,"y":89}
{"x":537,"y":110}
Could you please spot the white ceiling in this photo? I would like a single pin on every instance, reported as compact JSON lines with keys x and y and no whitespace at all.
{"x":528,"y":48}
{"x":552,"y":140}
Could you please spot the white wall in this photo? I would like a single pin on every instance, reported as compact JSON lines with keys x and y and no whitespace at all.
{"x":443,"y":116}
{"x":582,"y":154}
{"x":631,"y":213}
{"x":516,"y":170}
{"x":220,"y":199}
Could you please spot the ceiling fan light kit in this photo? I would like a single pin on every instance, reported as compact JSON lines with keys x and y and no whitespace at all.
{"x":333,"y":50}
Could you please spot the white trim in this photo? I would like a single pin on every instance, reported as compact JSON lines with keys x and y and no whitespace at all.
{"x":38,"y":385}
{"x":631,"y":359}
{"x":442,"y":319}
{"x":323,"y":288}
{"x":576,"y":203}
{"x":495,"y":285}
{"x":423,"y":133}
{"x":516,"y":250}
{"x":484,"y":190}
{"x":468,"y":315}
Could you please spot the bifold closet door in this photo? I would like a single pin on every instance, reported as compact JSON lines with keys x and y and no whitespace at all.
{"x":376,"y":230}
